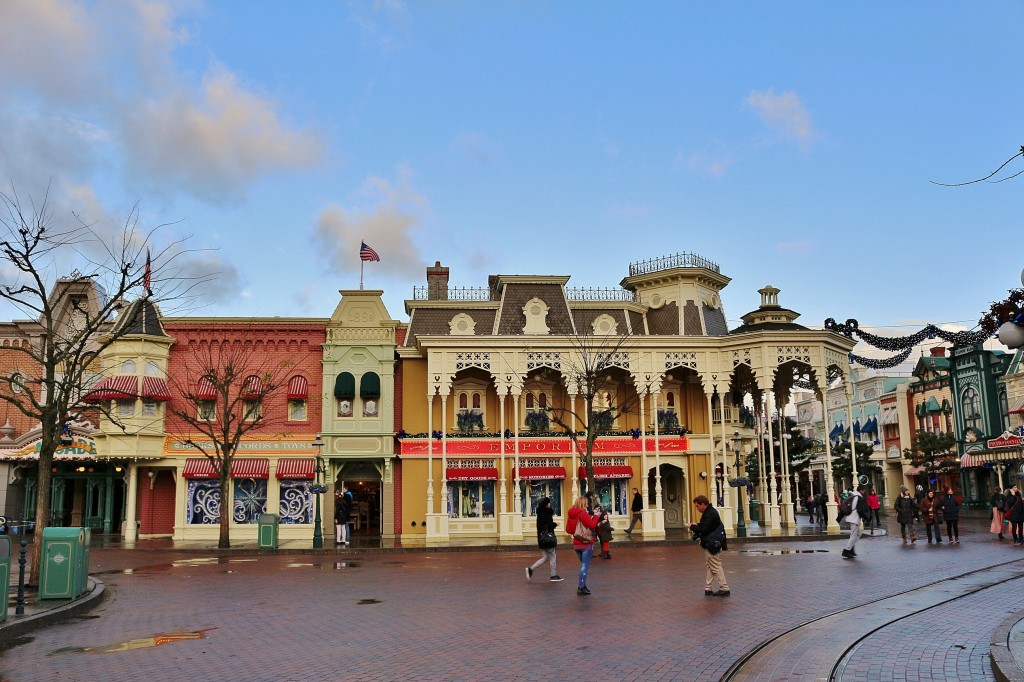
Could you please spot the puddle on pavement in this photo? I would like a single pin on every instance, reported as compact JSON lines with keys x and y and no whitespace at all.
{"x":363,"y":602}
{"x":132,"y":644}
{"x":11,"y":643}
{"x":337,"y":565}
{"x":181,"y":563}
{"x":778,"y":552}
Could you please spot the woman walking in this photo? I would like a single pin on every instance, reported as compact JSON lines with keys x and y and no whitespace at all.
{"x":928,"y":508}
{"x":582,"y":540}
{"x":1015,"y":512}
{"x":997,"y":501}
{"x":905,"y":514}
{"x":951,"y":513}
{"x":873,"y":506}
{"x":545,"y":527}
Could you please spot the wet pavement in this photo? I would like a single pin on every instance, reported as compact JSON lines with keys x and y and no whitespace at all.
{"x":797,"y":611}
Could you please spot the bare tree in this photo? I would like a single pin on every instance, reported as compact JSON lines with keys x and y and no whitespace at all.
{"x":595,"y":373}
{"x":72,"y":318}
{"x":990,"y":175}
{"x":236,"y":383}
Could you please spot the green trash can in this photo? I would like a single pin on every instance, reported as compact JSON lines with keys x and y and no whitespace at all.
{"x":5,"y":574}
{"x":83,"y":565}
{"x":755,"y":510}
{"x":61,"y":569}
{"x":267,"y":527}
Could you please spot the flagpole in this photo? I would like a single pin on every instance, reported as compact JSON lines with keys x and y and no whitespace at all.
{"x":361,"y":264}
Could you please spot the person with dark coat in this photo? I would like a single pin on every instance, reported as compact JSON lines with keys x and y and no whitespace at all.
{"x":710,"y":522}
{"x":342,"y":514}
{"x":604,"y":531}
{"x":1015,"y":512}
{"x":545,"y":524}
{"x":996,"y":502}
{"x":928,"y":507}
{"x":636,"y":509}
{"x":951,"y":513}
{"x":905,"y":507}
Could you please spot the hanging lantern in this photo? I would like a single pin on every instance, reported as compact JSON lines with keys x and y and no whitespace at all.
{"x":1011,"y":335}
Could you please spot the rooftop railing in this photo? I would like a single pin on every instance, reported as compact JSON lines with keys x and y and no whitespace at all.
{"x":599,"y":294}
{"x":679,"y":260}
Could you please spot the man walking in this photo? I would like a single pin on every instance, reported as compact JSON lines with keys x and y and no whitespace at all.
{"x":711,"y":534}
{"x":858,"y":510}
{"x":636,"y":508}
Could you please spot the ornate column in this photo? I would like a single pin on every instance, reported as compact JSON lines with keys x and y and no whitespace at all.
{"x":788,"y":517}
{"x":773,"y":484}
{"x":853,"y":440}
{"x":830,"y":486}
{"x":575,"y":462}
{"x":652,"y":518}
{"x":438,"y":521}
{"x":725,"y":509}
{"x":511,"y":522}
{"x":131,"y":526}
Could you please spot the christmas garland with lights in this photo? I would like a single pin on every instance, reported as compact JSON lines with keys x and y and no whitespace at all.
{"x":851,"y":328}
{"x":875,"y":363}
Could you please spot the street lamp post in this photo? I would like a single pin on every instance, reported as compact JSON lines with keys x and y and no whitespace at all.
{"x":318,"y":489}
{"x":741,"y":526}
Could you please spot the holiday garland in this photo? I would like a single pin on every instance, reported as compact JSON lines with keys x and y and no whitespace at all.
{"x":893,"y":343}
{"x":874,"y":363}
{"x":1010,"y":309}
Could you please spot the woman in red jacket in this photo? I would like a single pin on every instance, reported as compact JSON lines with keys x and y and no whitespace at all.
{"x":578,"y":516}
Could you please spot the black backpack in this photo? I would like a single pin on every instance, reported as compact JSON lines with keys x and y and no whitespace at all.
{"x":846,"y":506}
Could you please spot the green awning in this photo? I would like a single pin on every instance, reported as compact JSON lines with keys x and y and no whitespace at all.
{"x":345,"y":386}
{"x":369,"y":386}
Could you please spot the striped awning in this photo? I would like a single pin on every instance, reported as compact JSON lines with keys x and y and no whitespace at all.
{"x":113,"y":388}
{"x":540,"y":473}
{"x":248,"y":467}
{"x":475,"y":474}
{"x":298,"y":388}
{"x":303,"y":467}
{"x":967,"y":461}
{"x":1017,"y":407}
{"x":608,"y":471}
{"x":205,"y":390}
{"x":155,"y":388}
{"x":890,"y":416}
{"x":914,"y":471}
{"x":254,"y":387}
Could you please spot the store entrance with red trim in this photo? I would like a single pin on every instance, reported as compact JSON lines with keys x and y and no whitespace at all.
{"x":363,"y":479}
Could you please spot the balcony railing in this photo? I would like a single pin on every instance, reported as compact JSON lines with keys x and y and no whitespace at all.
{"x":456,"y":294}
{"x":599,"y":294}
{"x":679,"y":260}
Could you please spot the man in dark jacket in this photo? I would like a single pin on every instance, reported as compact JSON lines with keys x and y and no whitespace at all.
{"x":710,"y":522}
{"x":636,"y":508}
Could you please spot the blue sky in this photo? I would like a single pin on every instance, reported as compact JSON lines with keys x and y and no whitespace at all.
{"x":791,"y":142}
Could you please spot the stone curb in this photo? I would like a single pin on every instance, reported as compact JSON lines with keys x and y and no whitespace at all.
{"x":1004,"y":665}
{"x":17,"y":626}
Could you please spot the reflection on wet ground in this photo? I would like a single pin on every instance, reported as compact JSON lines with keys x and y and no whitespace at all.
{"x":181,"y":563}
{"x":368,"y":601}
{"x":131,"y":644}
{"x":777,"y":552}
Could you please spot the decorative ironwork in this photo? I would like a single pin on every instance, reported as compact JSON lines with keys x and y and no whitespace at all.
{"x":456,"y":294}
{"x":788,"y":353}
{"x":606,"y":360}
{"x":544,"y":359}
{"x":741,"y":357}
{"x":472,"y":359}
{"x":539,"y":462}
{"x":673,"y":360}
{"x":203,"y":502}
{"x":599,"y":294}
{"x":685,"y":259}
{"x":296,"y":501}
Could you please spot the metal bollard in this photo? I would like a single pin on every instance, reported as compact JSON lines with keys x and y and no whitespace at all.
{"x":19,"y":608}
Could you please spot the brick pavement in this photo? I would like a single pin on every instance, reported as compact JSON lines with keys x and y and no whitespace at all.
{"x":472,"y":615}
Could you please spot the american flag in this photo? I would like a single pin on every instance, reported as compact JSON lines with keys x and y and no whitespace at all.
{"x":366,"y":253}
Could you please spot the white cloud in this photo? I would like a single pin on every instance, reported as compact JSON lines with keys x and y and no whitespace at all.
{"x":785,"y":113}
{"x":387,"y":224}
{"x":215,"y":146}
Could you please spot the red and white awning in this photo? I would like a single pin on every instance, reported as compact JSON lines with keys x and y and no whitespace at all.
{"x":253,"y":388}
{"x":298,"y":388}
{"x":155,"y":388}
{"x":968,"y":461}
{"x":113,"y":388}
{"x":303,"y":467}
{"x":205,"y":390}
{"x":249,"y":467}
{"x":1018,"y":406}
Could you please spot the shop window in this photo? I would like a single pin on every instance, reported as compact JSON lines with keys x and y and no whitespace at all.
{"x":532,"y":492}
{"x":611,"y":494}
{"x":207,"y":409}
{"x":297,"y":410}
{"x":250,"y":500}
{"x":203,"y":506}
{"x":471,"y":499}
{"x":296,"y":501}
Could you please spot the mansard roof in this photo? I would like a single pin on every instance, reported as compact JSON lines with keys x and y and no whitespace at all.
{"x":140,"y":317}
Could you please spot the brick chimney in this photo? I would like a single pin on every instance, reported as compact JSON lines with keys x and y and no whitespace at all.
{"x":937,"y":351}
{"x":437,"y":282}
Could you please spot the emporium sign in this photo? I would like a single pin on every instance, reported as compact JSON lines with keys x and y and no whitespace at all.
{"x":539,"y":446}
{"x":1005,"y":441}
{"x":303,"y":446}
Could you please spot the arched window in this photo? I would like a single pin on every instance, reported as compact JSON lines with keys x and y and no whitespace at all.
{"x":529,"y":401}
{"x":971,"y":404}
{"x":463,"y":401}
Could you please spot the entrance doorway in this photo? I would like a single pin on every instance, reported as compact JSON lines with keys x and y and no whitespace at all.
{"x":674,"y":494}
{"x":364,"y":482}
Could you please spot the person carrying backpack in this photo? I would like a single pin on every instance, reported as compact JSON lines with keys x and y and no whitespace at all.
{"x":858,"y":509}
